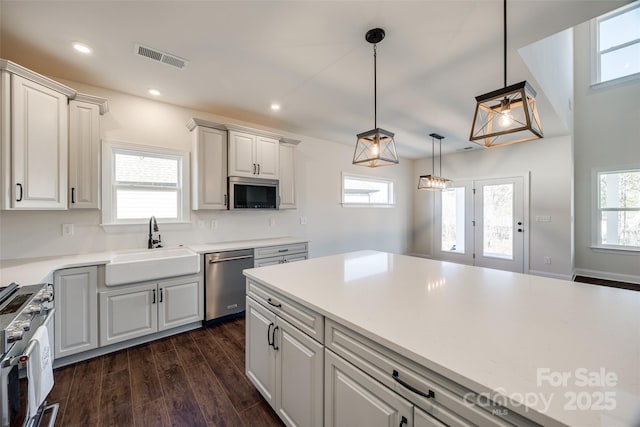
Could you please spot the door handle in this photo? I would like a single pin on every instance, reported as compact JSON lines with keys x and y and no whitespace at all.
{"x":273,"y":338}
{"x":19,"y":199}
{"x":429,"y":395}
{"x":520,"y":230}
{"x":269,"y":335}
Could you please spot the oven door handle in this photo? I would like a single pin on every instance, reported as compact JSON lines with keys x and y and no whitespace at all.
{"x":24,"y":357}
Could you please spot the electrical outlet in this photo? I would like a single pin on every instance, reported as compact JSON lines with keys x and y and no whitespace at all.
{"x":547,"y":260}
{"x":303,"y":220}
{"x":67,"y":230}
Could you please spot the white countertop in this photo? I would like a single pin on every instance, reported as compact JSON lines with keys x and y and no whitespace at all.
{"x":489,"y":330}
{"x":28,"y":271}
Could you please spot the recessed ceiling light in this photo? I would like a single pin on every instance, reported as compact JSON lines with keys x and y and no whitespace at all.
{"x":154,"y":92}
{"x":82,"y":48}
{"x":275,"y":106}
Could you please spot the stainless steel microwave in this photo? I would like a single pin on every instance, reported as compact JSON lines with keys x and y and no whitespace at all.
{"x":253,"y":193}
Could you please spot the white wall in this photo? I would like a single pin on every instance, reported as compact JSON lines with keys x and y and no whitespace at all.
{"x":549,"y":163}
{"x":319,"y":165}
{"x":607,"y":135}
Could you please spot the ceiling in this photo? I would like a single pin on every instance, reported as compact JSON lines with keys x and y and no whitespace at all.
{"x":309,"y":56}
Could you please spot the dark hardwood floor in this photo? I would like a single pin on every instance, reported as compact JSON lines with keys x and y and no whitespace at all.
{"x":192,"y":379}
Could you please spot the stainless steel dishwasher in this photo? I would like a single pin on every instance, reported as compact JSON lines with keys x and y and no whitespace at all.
{"x":225,"y":283}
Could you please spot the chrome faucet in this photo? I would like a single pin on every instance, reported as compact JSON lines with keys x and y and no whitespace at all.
{"x":152,"y":242}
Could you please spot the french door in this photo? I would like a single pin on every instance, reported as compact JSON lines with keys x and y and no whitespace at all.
{"x":481,"y":223}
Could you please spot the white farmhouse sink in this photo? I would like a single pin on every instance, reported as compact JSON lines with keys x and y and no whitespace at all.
{"x":150,"y":264}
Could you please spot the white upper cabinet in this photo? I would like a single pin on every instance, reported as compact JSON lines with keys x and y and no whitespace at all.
{"x":34,"y":142}
{"x":253,"y":155}
{"x":208,"y":166}
{"x":84,"y":151}
{"x":287,"y":176}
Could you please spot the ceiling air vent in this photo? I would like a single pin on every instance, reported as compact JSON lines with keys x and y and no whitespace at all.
{"x":159,"y":56}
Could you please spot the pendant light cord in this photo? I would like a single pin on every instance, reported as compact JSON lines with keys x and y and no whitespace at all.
{"x":440,"y":155}
{"x":504,"y":22}
{"x":433,"y":157}
{"x":375,"y":87}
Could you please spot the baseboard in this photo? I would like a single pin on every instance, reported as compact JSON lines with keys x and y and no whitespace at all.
{"x":551,"y":275}
{"x":617,"y":277}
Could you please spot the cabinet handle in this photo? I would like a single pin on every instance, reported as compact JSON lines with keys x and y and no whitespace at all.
{"x":154,"y":297}
{"x":225,"y":200}
{"x":283,"y":250}
{"x":258,"y":168}
{"x":403,"y":421}
{"x":269,"y":335}
{"x":161,"y":295}
{"x":278,"y":305}
{"x":429,"y":395}
{"x":73,"y":194}
{"x":254,"y":168}
{"x":273,"y":338}
{"x":19,"y":199}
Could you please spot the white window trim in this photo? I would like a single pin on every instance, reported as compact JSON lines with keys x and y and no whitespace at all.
{"x":595,"y":49}
{"x":596,"y":246}
{"x":390,"y":181}
{"x":108,"y":205}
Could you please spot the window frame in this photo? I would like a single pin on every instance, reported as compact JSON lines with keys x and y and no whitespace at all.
{"x":109,"y":187}
{"x":597,"y":210}
{"x":596,"y":78}
{"x":390,"y":182}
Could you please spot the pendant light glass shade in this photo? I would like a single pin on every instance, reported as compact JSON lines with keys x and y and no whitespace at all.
{"x":508,"y":115}
{"x":375,"y":147}
{"x":433,"y":182}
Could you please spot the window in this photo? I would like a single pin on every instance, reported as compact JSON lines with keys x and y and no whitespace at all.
{"x":618,"y":216}
{"x":140,"y":182}
{"x":616,"y":40}
{"x":365,"y":191}
{"x":453,"y":220}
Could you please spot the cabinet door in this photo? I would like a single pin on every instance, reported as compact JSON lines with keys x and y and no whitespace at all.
{"x":179,"y":302}
{"x":260,"y":357}
{"x":353,"y":398}
{"x":267,"y":157}
{"x":422,"y":419}
{"x":242,"y":154}
{"x":128,"y":313}
{"x":287,"y":176}
{"x":84,"y":155}
{"x":299,"y":377}
{"x":209,"y":169}
{"x":38,"y":146}
{"x":76,"y":316}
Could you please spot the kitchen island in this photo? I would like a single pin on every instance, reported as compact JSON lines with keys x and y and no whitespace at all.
{"x":502,"y":347}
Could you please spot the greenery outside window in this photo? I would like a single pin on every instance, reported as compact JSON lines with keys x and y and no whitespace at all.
{"x":618,"y":210}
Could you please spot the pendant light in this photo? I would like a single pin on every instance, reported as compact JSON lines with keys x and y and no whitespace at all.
{"x":508,"y":115}
{"x":434,"y":182}
{"x":375,"y":147}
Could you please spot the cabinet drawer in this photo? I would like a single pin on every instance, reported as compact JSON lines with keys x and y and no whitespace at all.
{"x":392,"y":369}
{"x":271,"y":251}
{"x":310,"y":322}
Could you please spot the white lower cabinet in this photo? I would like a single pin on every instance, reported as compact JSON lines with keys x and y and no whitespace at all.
{"x":76,"y":316}
{"x":286,"y":366}
{"x":422,"y":419}
{"x":133,"y":311}
{"x":355,"y":399}
{"x":273,"y":255}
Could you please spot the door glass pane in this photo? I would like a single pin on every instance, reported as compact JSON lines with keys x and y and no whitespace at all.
{"x":453,"y":220}
{"x":497,"y":218}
